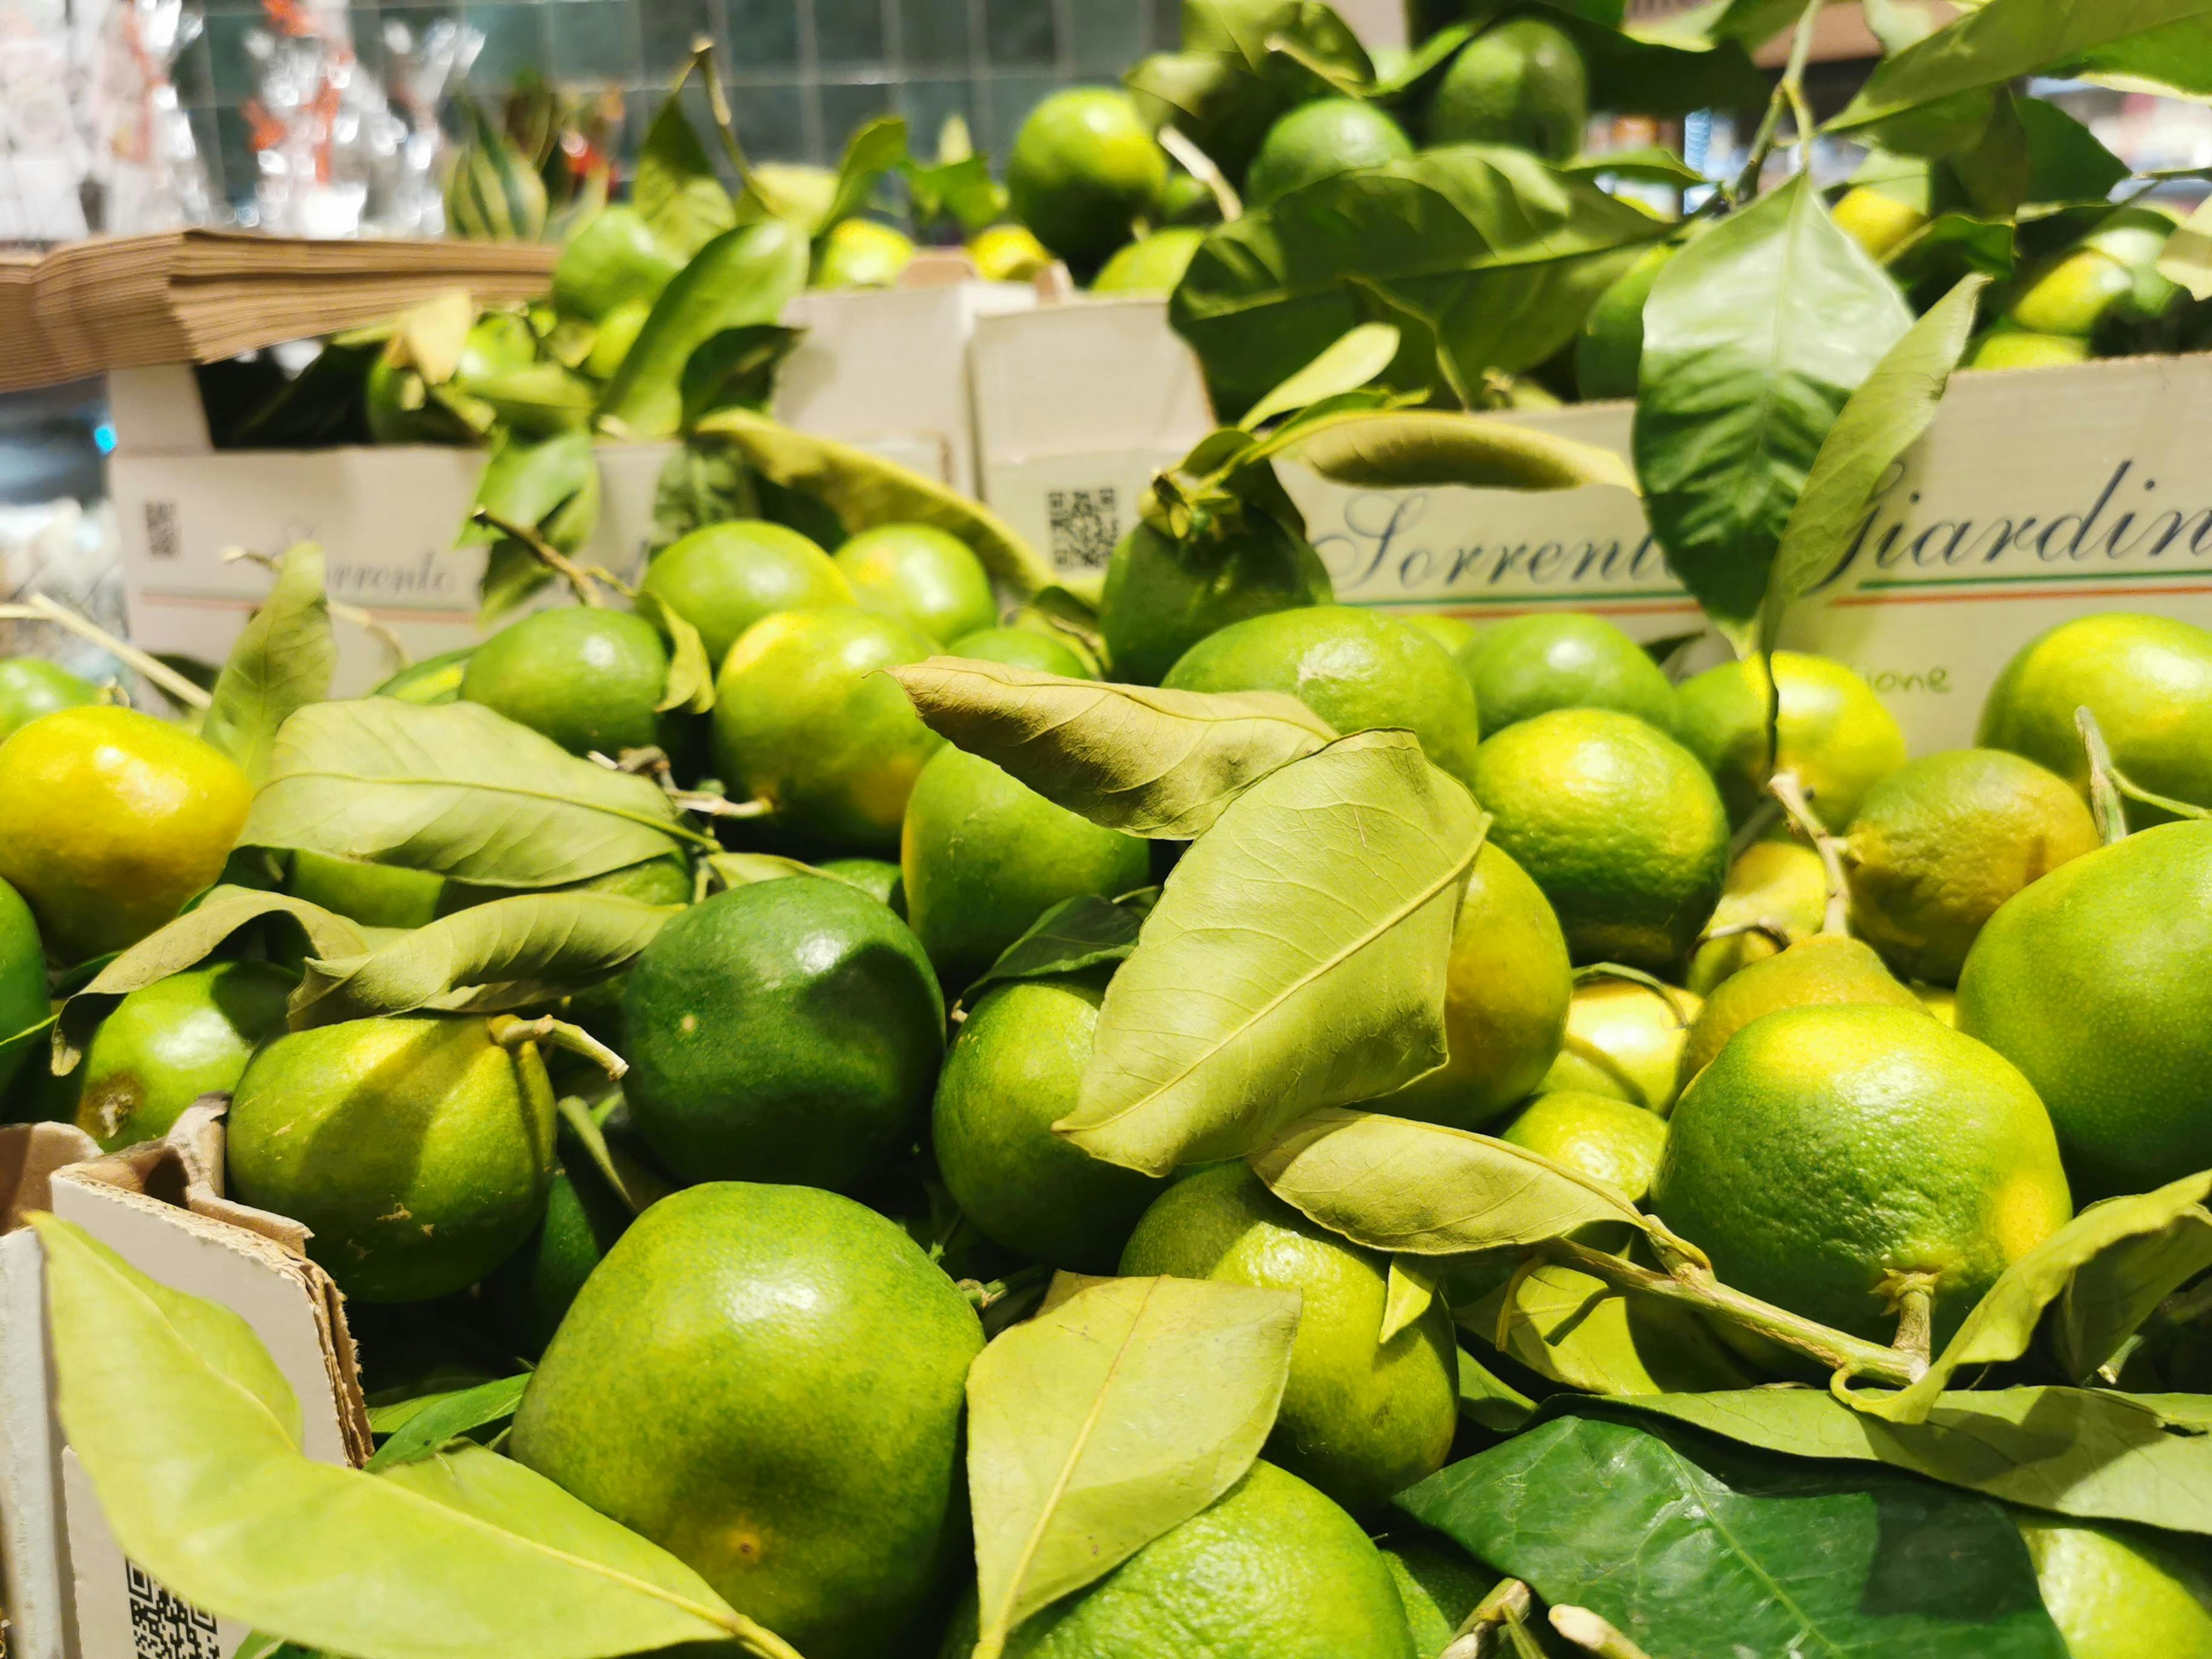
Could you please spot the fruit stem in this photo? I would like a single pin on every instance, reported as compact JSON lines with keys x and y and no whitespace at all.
{"x":1913,"y":1297}
{"x":579,"y":580}
{"x":1835,"y":917}
{"x":2104,"y":803}
{"x":1509,"y":1600}
{"x":1788,"y":93}
{"x":1776,"y":933}
{"x":510,"y":1031}
{"x":175,"y":686}
{"x":1594,"y":1635}
{"x":1200,"y":166}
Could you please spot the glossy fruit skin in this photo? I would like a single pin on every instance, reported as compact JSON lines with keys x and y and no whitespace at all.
{"x":879,"y":877}
{"x":166,"y":1044}
{"x":2120,"y":1592}
{"x":1439,"y":1583}
{"x":1626,"y":1041}
{"x":2091,"y":982}
{"x":1877,"y":221}
{"x":1828,"y":971}
{"x":1521,"y":83}
{"x":529,"y":1294}
{"x":1022,"y":647}
{"x":376,"y":894}
{"x":1529,"y":665}
{"x":1150,"y":264}
{"x":804,"y":721}
{"x":110,"y":820}
{"x":1609,"y":356}
{"x":615,"y":259}
{"x":417,"y":1149}
{"x":2008,"y":349}
{"x":1008,"y":253}
{"x":1358,"y":669}
{"x":1083,"y":169}
{"x":790,"y":1029}
{"x":861,"y":253}
{"x":1618,"y":825}
{"x":925,"y":577}
{"x":983,"y":855}
{"x":23,"y":984}
{"x":766,"y":1382}
{"x":1161,"y":597}
{"x":585,"y":676}
{"x":1606,"y":1139}
{"x":723,"y":578}
{"x":1359,"y":1421}
{"x":1836,"y":734}
{"x":1014,"y":1071}
{"x":1508,"y":988}
{"x":1328,"y":135}
{"x":2147,"y":679}
{"x":1270,"y":1569}
{"x":1776,"y":883}
{"x":1456,"y":634}
{"x":1826,"y":1147}
{"x":32,"y":686}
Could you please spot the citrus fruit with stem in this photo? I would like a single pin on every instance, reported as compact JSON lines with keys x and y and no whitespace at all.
{"x":1606,"y":1139}
{"x":1161,"y":597}
{"x":1876,"y":219}
{"x":1776,"y":894}
{"x":1624,"y":1039}
{"x":723,"y":578}
{"x":1835,"y":735}
{"x":1529,"y":665}
{"x":2012,"y":347}
{"x":1520,"y":83}
{"x":925,"y":577}
{"x":1609,"y":356}
{"x":166,"y":1044}
{"x":584,"y":676}
{"x":1439,"y":1583}
{"x":32,"y":686}
{"x":1083,"y":169}
{"x":1311,"y":142}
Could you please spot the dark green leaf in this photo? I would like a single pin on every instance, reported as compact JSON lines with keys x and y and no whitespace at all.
{"x":1077,"y":933}
{"x":675,"y":189}
{"x":551,"y":486}
{"x":2067,"y":162}
{"x":1995,"y":170}
{"x":1650,"y":164}
{"x":736,"y":368}
{"x":283,"y":661}
{"x":703,"y":483}
{"x":321,"y":404}
{"x":448,"y":1419}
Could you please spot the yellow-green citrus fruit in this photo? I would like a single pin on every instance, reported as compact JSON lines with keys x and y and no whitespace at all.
{"x":1360,"y":1420}
{"x":767,"y":1382}
{"x":984,"y":855}
{"x":417,"y":1149}
{"x":1506,"y":995}
{"x":2009,"y":348}
{"x":435,"y":680}
{"x":1162,"y":597}
{"x":723,"y":578}
{"x":585,"y":677}
{"x":1520,"y":83}
{"x":1827,"y":1149}
{"x":110,"y":820}
{"x":1270,"y":1569}
{"x":1013,"y":1072}
{"x":1439,"y":1583}
{"x":166,"y":1044}
{"x":615,"y":259}
{"x":925,"y":577}
{"x":375,"y":894}
{"x":2147,"y":679}
{"x":1150,"y":264}
{"x":788,"y":1028}
{"x":804,"y":721}
{"x":861,"y":253}
{"x":795,"y":191}
{"x":1186,"y":200}
{"x":1835,"y":735}
{"x":2092,"y":981}
{"x":1022,"y":647}
{"x":1456,"y":634}
{"x":1877,"y":221}
{"x":1358,"y":669}
{"x":1606,"y":1139}
{"x":2121,"y":1592}
{"x":1529,"y":665}
{"x":1609,"y":356}
{"x":1008,"y":253}
{"x":616,"y":333}
{"x":1826,"y":971}
{"x":1083,"y":170}
{"x":1616,"y":821}
{"x":22,"y":987}
{"x":2074,"y":295}
{"x":879,"y":878}
{"x":1328,"y":135}
{"x":1626,"y":1039}
{"x":1775,"y":887}
{"x":1940,"y":1001}
{"x":32,"y":686}
{"x":528,"y":1294}
{"x":1939,"y":844}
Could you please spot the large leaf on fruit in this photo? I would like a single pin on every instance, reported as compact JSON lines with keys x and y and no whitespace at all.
{"x":1296,"y":960}
{"x":1692,"y":1548}
{"x":1755,"y":336}
{"x":1581,"y":1332}
{"x":1133,"y":757}
{"x":1115,"y":1415}
{"x":283,"y":661}
{"x":456,"y":789}
{"x":1077,"y":934}
{"x":1420,"y":449}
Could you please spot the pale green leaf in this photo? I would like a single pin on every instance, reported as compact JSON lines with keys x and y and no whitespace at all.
{"x":675,"y":188}
{"x":283,"y":661}
{"x":691,"y":684}
{"x":1410,"y":1293}
{"x":1650,"y":164}
{"x":2187,"y":258}
{"x":1344,"y":366}
{"x":550,"y":485}
{"x":872,"y":148}
{"x":1416,"y":448}
{"x":448,"y":1418}
{"x":1490,"y":1401}
{"x":1578,"y":1331}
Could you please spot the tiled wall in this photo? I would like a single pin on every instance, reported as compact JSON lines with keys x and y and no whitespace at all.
{"x":801,"y":72}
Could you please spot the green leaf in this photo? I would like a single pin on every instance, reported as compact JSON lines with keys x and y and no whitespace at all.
{"x":448,"y":1418}
{"x":550,"y":485}
{"x":1136,"y":758}
{"x":1691,"y":1547}
{"x":691,"y":684}
{"x":675,"y":188}
{"x":864,"y":490}
{"x":2187,"y":258}
{"x":1410,"y":1291}
{"x":509,"y":953}
{"x":1322,"y":899}
{"x":742,"y":278}
{"x":1114,"y":1416}
{"x":737,"y":367}
{"x":876,"y":146}
{"x":1421,"y":449}
{"x":1077,"y":933}
{"x":1489,"y":1402}
{"x":701,"y":484}
{"x":1882,"y":419}
{"x":536,"y":402}
{"x":2067,"y":162}
{"x":456,"y":789}
{"x":1755,"y":336}
{"x":1350,"y":364}
{"x":1649,"y":164}
{"x":190,"y":1437}
{"x":283,"y":661}
{"x":1577,"y":1331}
{"x":1996,"y":170}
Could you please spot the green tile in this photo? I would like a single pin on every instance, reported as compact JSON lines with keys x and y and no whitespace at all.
{"x":764,"y":34}
{"x":849,"y":32}
{"x":771,"y":123}
{"x":1020,"y":31}
{"x":1105,"y":36}
{"x":515,"y":40}
{"x":591,"y":42}
{"x":666,"y":29}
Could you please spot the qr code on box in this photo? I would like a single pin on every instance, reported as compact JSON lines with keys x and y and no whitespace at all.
{"x":165,"y":1626}
{"x":1085,"y":524}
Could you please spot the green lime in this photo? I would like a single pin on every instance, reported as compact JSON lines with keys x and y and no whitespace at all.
{"x":1358,"y":669}
{"x":1186,"y":199}
{"x":1827,"y":1149}
{"x":925,"y":577}
{"x":1083,"y":169}
{"x":23,"y":985}
{"x":1835,"y":735}
{"x":2091,"y":982}
{"x":1626,"y":1039}
{"x":1456,"y":634}
{"x":375,"y":894}
{"x":528,"y":1295}
{"x":1150,"y":264}
{"x":804,"y":721}
{"x":1519,"y":83}
{"x":1360,"y":1420}
{"x":1776,"y":893}
{"x":434,"y":680}
{"x":1609,"y":356}
{"x":790,"y":1029}
{"x":110,"y":820}
{"x":984,"y":856}
{"x":879,"y":877}
{"x":1008,"y":253}
{"x":1940,"y":1001}
{"x":2074,"y":295}
{"x":166,"y":1044}
{"x":724,"y":577}
{"x":585,"y":676}
{"x":1162,"y":597}
{"x":1505,"y":1001}
{"x":417,"y":1149}
{"x":1826,"y":971}
{"x":861,"y":253}
{"x":1439,"y":1583}
{"x":32,"y":686}
{"x":767,"y":1383}
{"x":614,"y":259}
{"x":1876,"y":220}
{"x":1270,"y":1569}
{"x":1022,"y":647}
{"x":2147,"y":679}
{"x":1011,"y":1074}
{"x":2007,"y":347}
{"x":1939,"y":844}
{"x":1594,"y":1135}
{"x":2121,"y":1592}
{"x":1617,"y":823}
{"x":1328,"y":136}
{"x":1529,"y":665}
